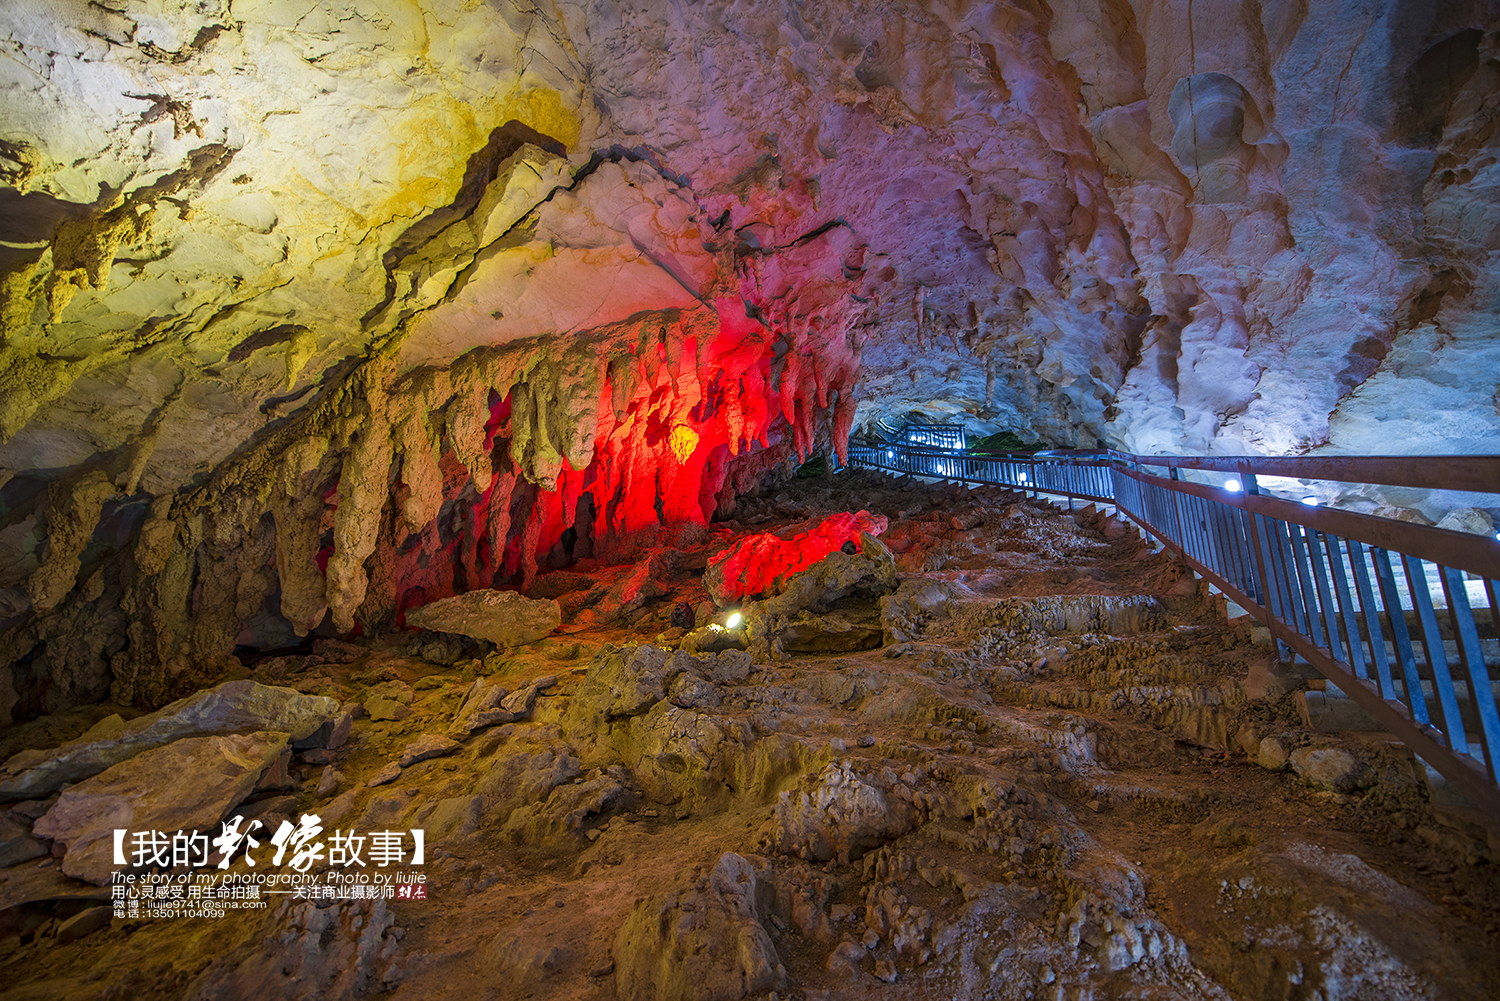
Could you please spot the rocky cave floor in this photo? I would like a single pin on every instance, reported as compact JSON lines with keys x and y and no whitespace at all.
{"x":1063,"y":773}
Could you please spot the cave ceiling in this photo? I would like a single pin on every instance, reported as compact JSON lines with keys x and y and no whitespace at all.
{"x":1265,"y":227}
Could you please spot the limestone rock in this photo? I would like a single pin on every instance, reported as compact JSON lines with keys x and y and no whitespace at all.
{"x":510,"y":955}
{"x":867,"y":574}
{"x":840,"y":816}
{"x":505,"y":618}
{"x":16,"y":843}
{"x":73,"y":513}
{"x":624,"y":682}
{"x":389,"y":772}
{"x":432,"y":745}
{"x":1469,"y":519}
{"x":521,"y":702}
{"x":690,"y":692}
{"x":454,"y":815}
{"x":233,"y":707}
{"x":480,"y":708}
{"x":1330,"y":768}
{"x":525,"y":776}
{"x":342,"y":950}
{"x":387,"y":710}
{"x":674,"y":750}
{"x":329,"y":780}
{"x":85,"y":923}
{"x":1272,"y":754}
{"x":760,"y":564}
{"x":565,"y":811}
{"x":698,"y":945}
{"x":835,"y":632}
{"x":209,"y":776}
{"x":728,"y":667}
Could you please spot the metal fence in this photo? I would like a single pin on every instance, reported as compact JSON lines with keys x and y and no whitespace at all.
{"x":1403,"y":618}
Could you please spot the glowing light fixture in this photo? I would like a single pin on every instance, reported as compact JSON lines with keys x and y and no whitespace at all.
{"x":734,"y":620}
{"x":684,"y":439}
{"x":1310,"y":501}
{"x":1232,"y":485}
{"x":1021,"y":477}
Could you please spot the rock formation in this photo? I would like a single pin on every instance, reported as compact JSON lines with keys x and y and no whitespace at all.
{"x":337,"y":313}
{"x":318,"y":320}
{"x":1061,"y":770}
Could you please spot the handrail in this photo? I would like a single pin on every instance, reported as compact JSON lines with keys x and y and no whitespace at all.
{"x":1476,"y":473}
{"x":1356,"y":595}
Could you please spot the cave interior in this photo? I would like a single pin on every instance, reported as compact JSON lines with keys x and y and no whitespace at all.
{"x":431,"y":562}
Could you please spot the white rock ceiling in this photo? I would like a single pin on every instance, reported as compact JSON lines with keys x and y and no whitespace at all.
{"x":1262,"y":227}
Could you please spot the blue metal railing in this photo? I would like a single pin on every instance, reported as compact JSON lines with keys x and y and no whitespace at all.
{"x":1358,"y":596}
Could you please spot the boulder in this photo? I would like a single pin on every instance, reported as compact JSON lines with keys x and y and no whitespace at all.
{"x":625,"y":682}
{"x":869,"y":574}
{"x":480,"y":708}
{"x":431,"y":745}
{"x":505,"y":618}
{"x":797,"y":610}
{"x":698,"y":945}
{"x":235,"y":707}
{"x":522,"y":701}
{"x":85,"y":923}
{"x":16,"y":843}
{"x":762,"y":564}
{"x":839,"y":815}
{"x":190,"y":784}
{"x":1330,"y":768}
{"x":1272,"y":754}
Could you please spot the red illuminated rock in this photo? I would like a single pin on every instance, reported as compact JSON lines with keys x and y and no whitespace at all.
{"x":763,"y":563}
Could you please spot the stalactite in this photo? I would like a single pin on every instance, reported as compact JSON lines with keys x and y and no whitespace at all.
{"x":419,"y":471}
{"x":362,"y":493}
{"x":297,"y":507}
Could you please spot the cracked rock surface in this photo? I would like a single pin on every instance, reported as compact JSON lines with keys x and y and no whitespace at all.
{"x":1039,"y":784}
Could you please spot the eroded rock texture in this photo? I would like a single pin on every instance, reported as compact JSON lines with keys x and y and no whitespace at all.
{"x":315,"y":313}
{"x":1053,"y":778}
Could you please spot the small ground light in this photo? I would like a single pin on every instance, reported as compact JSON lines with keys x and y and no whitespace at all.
{"x":1232,"y":485}
{"x":1310,"y":501}
{"x":1021,"y":477}
{"x":734,"y":620}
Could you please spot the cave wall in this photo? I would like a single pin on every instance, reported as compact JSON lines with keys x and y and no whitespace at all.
{"x":313,"y":311}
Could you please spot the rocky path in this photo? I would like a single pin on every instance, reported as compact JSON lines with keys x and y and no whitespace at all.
{"x":1058,"y":771}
